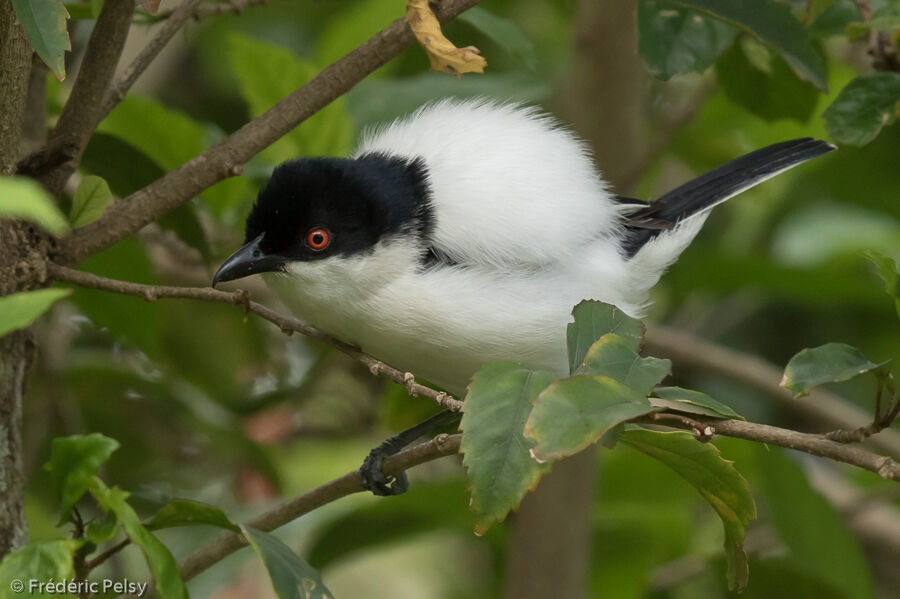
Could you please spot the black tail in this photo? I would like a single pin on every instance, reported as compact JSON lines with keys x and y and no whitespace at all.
{"x":716,"y":186}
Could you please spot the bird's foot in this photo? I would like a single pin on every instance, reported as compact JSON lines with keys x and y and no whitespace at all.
{"x":373,"y":479}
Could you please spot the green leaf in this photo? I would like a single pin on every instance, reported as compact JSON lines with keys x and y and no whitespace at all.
{"x":91,"y":199}
{"x":613,"y":356}
{"x":503,"y":31}
{"x":773,"y":24}
{"x":692,"y":402}
{"x":863,"y":108}
{"x":292,"y":578}
{"x":43,"y":561}
{"x":721,"y":485}
{"x":44,"y":22}
{"x":185,"y":512}
{"x":827,"y":363}
{"x":18,"y":310}
{"x":184,"y":222}
{"x":574,"y":412}
{"x":25,"y":199}
{"x":769,"y":89}
{"x":815,"y":534}
{"x":496,"y":454}
{"x":166,"y":578}
{"x":73,"y":463}
{"x":887,"y":270}
{"x":99,"y":532}
{"x":816,"y":8}
{"x":594,"y":319}
{"x":674,"y":40}
{"x":266,"y":73}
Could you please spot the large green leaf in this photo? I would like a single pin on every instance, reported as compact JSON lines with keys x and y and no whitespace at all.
{"x":721,"y":485}
{"x":504,"y":32}
{"x":691,"y":402}
{"x":267,"y":73}
{"x":40,"y":562}
{"x":774,"y":25}
{"x":594,"y":319}
{"x":863,"y":108}
{"x":292,"y":578}
{"x":673,"y":40}
{"x":574,"y":412}
{"x":890,"y":275}
{"x":186,"y":512}
{"x":44,"y":22}
{"x":769,"y":90}
{"x":166,"y":578}
{"x":91,"y":199}
{"x":25,"y":199}
{"x":18,"y":310}
{"x":74,"y":462}
{"x":612,"y":355}
{"x":827,"y":363}
{"x":496,"y":454}
{"x":815,"y":534}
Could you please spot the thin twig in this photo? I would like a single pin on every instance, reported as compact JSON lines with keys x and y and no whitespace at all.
{"x":882,"y":50}
{"x":211,"y":9}
{"x":225,"y":159}
{"x":240,"y":298}
{"x":93,"y":563}
{"x":173,"y":24}
{"x":686,"y":349}
{"x":292,"y":509}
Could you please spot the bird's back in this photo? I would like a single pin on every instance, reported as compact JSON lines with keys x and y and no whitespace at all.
{"x":510,"y":187}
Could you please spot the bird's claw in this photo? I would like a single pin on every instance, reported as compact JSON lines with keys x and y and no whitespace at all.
{"x":373,"y":479}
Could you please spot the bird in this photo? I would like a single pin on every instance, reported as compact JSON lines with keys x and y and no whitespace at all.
{"x":464,"y":234}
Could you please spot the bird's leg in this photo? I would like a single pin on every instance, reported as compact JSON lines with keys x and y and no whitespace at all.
{"x":380,"y":483}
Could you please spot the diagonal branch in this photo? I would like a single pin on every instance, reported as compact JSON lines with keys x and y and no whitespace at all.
{"x":689,"y":350}
{"x":172,"y":25}
{"x":226,"y":158}
{"x":210,"y":9}
{"x":82,"y":112}
{"x":287,"y":324}
{"x":350,"y":483}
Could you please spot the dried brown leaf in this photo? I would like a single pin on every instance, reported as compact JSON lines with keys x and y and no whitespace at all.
{"x":444,"y":56}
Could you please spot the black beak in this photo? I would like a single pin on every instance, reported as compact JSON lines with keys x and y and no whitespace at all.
{"x":249,"y":260}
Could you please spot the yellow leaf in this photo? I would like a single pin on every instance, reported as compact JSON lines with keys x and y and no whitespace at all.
{"x":444,"y":56}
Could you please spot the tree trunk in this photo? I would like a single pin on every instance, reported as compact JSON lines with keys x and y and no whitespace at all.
{"x":18,"y":271}
{"x":549,"y":551}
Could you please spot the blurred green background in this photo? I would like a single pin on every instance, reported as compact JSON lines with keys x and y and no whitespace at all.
{"x":212,"y":406}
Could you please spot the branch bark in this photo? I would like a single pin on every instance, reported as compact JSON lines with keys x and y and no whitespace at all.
{"x":687,"y":350}
{"x":350,"y":483}
{"x":240,"y":298}
{"x":140,"y":63}
{"x":17,"y":348}
{"x":226,"y":158}
{"x":83,"y":111}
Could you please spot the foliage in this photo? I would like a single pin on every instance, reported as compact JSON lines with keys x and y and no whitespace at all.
{"x":212,"y":411}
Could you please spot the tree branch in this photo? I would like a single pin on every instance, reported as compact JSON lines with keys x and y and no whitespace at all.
{"x":816,"y":445}
{"x":882,"y":50}
{"x":121,"y":86}
{"x":688,"y":350}
{"x":211,"y":9}
{"x":83,"y":111}
{"x":226,"y":158}
{"x":350,"y":483}
{"x":287,"y":324}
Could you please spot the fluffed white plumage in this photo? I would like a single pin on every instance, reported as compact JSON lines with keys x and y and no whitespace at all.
{"x":532,"y":228}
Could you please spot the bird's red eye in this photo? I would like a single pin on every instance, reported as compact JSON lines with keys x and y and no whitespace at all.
{"x":318,"y":238}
